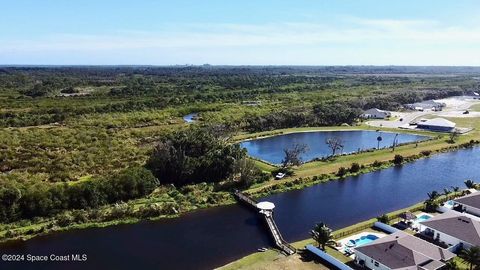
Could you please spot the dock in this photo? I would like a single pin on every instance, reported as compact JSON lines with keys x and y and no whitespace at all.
{"x":281,"y":244}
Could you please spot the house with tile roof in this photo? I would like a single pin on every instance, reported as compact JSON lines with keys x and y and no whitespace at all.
{"x":401,"y":250}
{"x":469,"y":203}
{"x":454,"y":229}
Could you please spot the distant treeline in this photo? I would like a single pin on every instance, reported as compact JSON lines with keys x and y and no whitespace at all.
{"x":341,"y":112}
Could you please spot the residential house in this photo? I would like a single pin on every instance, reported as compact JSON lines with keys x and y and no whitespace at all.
{"x":401,"y":250}
{"x":454,"y":229}
{"x":469,"y":203}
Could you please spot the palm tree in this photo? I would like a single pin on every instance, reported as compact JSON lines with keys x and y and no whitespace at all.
{"x":379,"y":139}
{"x":455,"y":189}
{"x":446,"y":192}
{"x":433,"y":195}
{"x":322,"y":234}
{"x":451,"y":265}
{"x":431,"y":205}
{"x":471,"y":256}
{"x":470,"y":184}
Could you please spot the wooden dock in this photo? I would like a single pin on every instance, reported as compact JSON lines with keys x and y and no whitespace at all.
{"x":281,"y":244}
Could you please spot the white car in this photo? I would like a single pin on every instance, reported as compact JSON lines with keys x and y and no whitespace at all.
{"x":279,"y":175}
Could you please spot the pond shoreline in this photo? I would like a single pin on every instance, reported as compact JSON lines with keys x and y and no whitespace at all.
{"x":279,"y":187}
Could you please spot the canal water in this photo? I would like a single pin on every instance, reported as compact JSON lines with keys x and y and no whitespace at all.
{"x":213,"y":237}
{"x":271,"y":148}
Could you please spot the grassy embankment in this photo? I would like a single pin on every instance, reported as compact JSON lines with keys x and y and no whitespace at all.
{"x":308,"y":171}
{"x":272,"y":259}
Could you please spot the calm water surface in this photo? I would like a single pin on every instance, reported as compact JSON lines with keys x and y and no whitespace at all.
{"x":271,"y":148}
{"x":209,"y":238}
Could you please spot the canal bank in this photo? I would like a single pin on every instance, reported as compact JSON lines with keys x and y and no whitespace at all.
{"x":213,"y":237}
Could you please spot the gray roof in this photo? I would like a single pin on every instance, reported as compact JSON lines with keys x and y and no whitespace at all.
{"x":426,"y":104}
{"x":404,"y":251}
{"x":457,"y":225}
{"x":437,"y":122}
{"x":375,"y":110}
{"x":472,"y":200}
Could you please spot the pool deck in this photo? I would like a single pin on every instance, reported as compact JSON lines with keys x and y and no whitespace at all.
{"x":345,"y":240}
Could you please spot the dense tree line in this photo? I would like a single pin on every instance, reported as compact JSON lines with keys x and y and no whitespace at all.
{"x":322,"y":114}
{"x":19,"y":201}
{"x":197,"y":154}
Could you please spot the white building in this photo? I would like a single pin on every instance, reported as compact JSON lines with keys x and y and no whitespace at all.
{"x":431,"y":105}
{"x":469,"y":203}
{"x":437,"y":124}
{"x":453,"y":229}
{"x":401,"y":250}
{"x":375,"y":113}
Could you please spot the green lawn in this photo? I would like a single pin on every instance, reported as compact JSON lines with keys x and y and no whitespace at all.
{"x":316,"y":168}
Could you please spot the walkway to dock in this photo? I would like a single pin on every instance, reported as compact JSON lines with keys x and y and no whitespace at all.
{"x":283,"y":245}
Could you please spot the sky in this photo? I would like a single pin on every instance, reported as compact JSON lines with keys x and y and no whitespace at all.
{"x":241,"y":32}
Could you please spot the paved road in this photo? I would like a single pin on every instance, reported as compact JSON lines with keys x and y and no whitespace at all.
{"x":453,"y":109}
{"x":406,"y":117}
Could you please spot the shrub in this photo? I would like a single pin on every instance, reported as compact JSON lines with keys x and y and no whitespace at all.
{"x":383,"y":218}
{"x":426,"y":153}
{"x":377,"y":163}
{"x":342,"y":171}
{"x":398,"y":159}
{"x":64,"y":219}
{"x":355,"y":167}
{"x":80,"y":216}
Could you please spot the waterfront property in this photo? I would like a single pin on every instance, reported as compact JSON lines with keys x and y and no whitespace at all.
{"x":452,"y":229}
{"x":436,"y":124}
{"x":348,"y":244}
{"x":271,"y":148}
{"x":219,"y":235}
{"x":401,"y":250}
{"x":375,"y":113}
{"x":469,"y":203}
{"x":266,"y":209}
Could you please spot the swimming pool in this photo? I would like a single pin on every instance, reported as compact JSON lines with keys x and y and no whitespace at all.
{"x":423,"y":217}
{"x":363,"y":240}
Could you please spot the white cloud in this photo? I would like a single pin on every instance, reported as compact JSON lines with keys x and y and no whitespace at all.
{"x":358,"y":38}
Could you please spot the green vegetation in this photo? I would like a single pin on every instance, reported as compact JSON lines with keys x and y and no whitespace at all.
{"x":471,"y":257}
{"x":20,"y":201}
{"x":322,"y":234}
{"x":75,"y":141}
{"x":200,"y":155}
